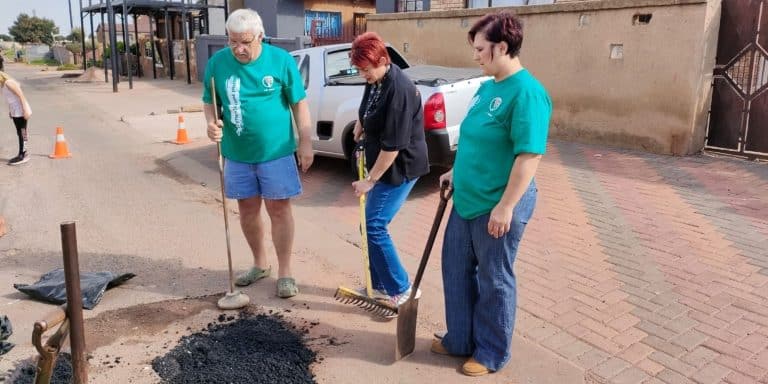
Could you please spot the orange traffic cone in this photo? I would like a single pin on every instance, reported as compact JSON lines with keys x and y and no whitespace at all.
{"x":181,"y":132}
{"x":60,"y":150}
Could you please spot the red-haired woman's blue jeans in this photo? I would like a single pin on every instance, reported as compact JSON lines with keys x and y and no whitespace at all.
{"x":479,"y":284}
{"x":383,"y":202}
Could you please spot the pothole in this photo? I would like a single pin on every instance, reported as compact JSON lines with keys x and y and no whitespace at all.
{"x":136,"y":344}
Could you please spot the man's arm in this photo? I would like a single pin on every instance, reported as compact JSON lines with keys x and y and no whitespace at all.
{"x":214,"y":125}
{"x":304,"y":125}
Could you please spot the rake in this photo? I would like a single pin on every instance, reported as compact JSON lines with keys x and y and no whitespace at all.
{"x":351,"y":296}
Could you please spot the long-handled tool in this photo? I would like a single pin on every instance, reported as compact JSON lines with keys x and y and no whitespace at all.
{"x":49,"y":351}
{"x":350,"y":296}
{"x":406,"y":313}
{"x":233,"y":299}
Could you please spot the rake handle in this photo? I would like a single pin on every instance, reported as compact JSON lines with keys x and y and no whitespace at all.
{"x":445,"y":195}
{"x":362,"y":174}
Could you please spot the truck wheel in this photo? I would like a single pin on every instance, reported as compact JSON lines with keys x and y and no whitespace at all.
{"x":349,"y":150}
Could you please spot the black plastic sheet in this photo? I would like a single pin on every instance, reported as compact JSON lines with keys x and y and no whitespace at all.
{"x":5,"y":332}
{"x":51,"y":287}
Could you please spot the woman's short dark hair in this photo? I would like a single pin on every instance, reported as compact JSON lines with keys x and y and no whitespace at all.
{"x":497,"y":27}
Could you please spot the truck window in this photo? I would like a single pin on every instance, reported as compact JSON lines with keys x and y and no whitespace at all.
{"x":396,"y":58}
{"x":337,"y":65}
{"x":338,"y":68}
{"x":303,"y":68}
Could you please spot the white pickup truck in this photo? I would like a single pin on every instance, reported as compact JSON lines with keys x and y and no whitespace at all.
{"x":334,"y":90}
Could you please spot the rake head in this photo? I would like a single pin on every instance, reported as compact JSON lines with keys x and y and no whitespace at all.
{"x":376,"y":307}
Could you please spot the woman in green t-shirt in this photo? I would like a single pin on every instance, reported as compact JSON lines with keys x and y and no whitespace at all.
{"x":502,"y":139}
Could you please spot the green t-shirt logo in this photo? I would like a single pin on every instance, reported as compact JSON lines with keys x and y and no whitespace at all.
{"x":267,"y":82}
{"x":495,"y":104}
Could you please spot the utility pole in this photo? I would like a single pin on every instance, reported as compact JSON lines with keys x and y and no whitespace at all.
{"x":113,"y":53}
{"x":71,"y":23}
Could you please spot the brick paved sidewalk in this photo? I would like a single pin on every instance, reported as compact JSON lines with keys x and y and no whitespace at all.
{"x":638,"y":268}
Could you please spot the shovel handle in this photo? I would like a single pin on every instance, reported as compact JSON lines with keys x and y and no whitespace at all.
{"x":446,"y":191}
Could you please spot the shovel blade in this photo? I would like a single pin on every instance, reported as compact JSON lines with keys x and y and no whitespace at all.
{"x":406,"y":328}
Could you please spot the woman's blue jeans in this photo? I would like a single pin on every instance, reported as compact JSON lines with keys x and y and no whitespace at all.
{"x":383,"y":202}
{"x":479,"y":284}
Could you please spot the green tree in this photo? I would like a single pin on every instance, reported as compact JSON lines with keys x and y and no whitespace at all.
{"x":75,"y":35}
{"x":33,"y":29}
{"x":4,"y":37}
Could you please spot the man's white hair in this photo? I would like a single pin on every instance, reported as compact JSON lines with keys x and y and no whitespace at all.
{"x":245,"y":20}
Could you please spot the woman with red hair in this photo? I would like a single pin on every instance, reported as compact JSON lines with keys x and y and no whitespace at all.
{"x":390,"y":129}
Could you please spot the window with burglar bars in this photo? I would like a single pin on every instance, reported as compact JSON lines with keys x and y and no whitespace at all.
{"x":360,"y":24}
{"x":410,"y":5}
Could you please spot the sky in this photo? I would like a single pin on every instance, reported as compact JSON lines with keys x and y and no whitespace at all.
{"x":56,"y":10}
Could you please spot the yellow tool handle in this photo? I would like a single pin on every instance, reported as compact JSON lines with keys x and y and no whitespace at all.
{"x":362,"y":174}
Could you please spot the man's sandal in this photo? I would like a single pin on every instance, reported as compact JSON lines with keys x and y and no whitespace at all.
{"x":286,"y":287}
{"x":251,"y":276}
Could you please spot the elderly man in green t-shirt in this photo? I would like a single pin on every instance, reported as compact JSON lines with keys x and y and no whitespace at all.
{"x":258,"y":86}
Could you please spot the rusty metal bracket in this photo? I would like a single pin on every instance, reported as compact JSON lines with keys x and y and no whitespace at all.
{"x":50,"y":351}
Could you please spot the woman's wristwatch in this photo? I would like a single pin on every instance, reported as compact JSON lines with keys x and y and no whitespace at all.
{"x":371,"y":179}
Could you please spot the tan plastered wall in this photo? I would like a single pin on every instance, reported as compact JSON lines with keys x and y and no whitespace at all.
{"x":612,"y":79}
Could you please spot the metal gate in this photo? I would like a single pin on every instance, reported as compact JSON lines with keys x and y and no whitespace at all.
{"x":738,"y":119}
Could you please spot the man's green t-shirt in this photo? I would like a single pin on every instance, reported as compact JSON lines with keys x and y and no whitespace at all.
{"x":255,"y":100}
{"x":504,"y":119}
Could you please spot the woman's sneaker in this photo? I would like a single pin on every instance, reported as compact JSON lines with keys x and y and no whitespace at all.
{"x":20,"y":159}
{"x":398,"y":300}
{"x":377,"y":293}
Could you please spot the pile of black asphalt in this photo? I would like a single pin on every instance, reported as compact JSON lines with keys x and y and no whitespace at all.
{"x":252,"y":348}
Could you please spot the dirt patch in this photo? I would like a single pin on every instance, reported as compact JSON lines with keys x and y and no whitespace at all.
{"x":90,"y":75}
{"x":254,"y":348}
{"x":147,"y":319}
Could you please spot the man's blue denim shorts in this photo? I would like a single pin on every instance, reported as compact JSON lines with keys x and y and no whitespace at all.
{"x":272,"y":180}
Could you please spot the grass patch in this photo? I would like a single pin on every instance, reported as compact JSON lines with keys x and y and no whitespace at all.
{"x":67,"y":67}
{"x":49,"y":62}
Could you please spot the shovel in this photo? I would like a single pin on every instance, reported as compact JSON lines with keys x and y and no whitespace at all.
{"x":407,"y":312}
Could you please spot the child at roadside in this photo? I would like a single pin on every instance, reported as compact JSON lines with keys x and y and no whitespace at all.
{"x":19,"y":111}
